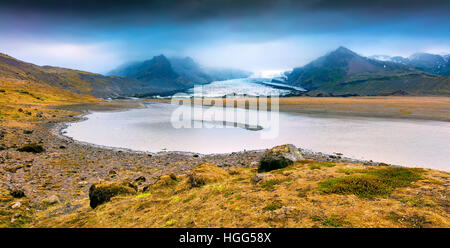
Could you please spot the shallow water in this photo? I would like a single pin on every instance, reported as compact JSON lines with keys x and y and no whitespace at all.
{"x":402,"y":142}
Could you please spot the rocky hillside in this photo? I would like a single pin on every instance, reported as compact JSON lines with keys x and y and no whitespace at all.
{"x":344,"y":72}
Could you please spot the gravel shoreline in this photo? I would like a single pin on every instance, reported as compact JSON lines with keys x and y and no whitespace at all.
{"x":61,"y":174}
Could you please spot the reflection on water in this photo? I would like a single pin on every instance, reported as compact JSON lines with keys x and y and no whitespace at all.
{"x":402,"y":142}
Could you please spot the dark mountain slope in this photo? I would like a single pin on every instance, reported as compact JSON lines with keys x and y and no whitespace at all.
{"x":175,"y":73}
{"x":344,"y":72}
{"x":428,"y":62}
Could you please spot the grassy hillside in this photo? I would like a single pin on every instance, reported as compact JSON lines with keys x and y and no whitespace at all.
{"x":80,"y":82}
{"x":22,"y":100}
{"x":305,"y":194}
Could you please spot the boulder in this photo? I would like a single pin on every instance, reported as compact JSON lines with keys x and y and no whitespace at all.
{"x":165,"y":181}
{"x":34,"y":148}
{"x":17,"y":193}
{"x":279,"y":157}
{"x":53,"y":200}
{"x":206,"y":173}
{"x":261,"y":176}
{"x":103,"y":192}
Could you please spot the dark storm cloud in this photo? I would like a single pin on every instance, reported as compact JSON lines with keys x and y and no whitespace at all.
{"x":205,"y":9}
{"x":257,"y":34}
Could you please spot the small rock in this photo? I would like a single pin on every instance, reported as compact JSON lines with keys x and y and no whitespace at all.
{"x":195,"y":155}
{"x":102,"y":192}
{"x":140,"y":179}
{"x":17,"y":193}
{"x":52,"y":200}
{"x":62,"y":147}
{"x":112,"y":173}
{"x":16,"y":205}
{"x":27,"y":131}
{"x":260,"y":176}
{"x":39,"y":115}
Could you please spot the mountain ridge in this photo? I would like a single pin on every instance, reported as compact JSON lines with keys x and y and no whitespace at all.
{"x":152,"y":77}
{"x":433,"y":63}
{"x":344,"y":72}
{"x":184,"y":70}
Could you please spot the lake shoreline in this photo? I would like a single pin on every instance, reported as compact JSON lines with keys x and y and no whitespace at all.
{"x":390,"y":107}
{"x":56,"y":181}
{"x":312,"y":140}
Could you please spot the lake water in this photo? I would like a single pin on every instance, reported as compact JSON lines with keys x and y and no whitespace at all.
{"x":402,"y":142}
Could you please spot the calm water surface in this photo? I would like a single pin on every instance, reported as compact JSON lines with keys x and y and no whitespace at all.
{"x":402,"y":142}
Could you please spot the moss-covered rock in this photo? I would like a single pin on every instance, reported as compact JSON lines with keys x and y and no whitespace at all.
{"x":165,"y":181}
{"x":279,"y":157}
{"x":206,"y":173}
{"x":103,"y":192}
{"x":34,"y":148}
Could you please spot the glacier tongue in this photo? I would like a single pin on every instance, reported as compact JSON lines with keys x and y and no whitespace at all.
{"x":243,"y":86}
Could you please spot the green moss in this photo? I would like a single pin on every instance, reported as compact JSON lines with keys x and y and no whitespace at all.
{"x":416,"y":202}
{"x":372,"y":182}
{"x":349,"y":171}
{"x":189,"y":198}
{"x":170,"y":222}
{"x":334,"y":220}
{"x":143,"y":195}
{"x":269,"y":184}
{"x":273,"y":206}
{"x":320,"y":165}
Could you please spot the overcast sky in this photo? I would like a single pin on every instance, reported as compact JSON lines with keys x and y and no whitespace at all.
{"x":254,"y":35}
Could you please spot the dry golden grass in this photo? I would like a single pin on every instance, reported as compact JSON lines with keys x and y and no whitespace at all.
{"x":415,"y":107}
{"x":293,"y":200}
{"x":21,"y":100}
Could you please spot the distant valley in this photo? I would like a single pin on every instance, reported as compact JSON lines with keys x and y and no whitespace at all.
{"x":339,"y":73}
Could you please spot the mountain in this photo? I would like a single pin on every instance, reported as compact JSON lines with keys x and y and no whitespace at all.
{"x":428,"y":62}
{"x":76,"y":81}
{"x":156,"y":72}
{"x":175,"y":73}
{"x":344,"y":72}
{"x":433,"y":63}
{"x":189,"y":69}
{"x":155,"y":76}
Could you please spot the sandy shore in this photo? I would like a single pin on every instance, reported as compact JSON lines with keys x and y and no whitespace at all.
{"x":400,"y":107}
